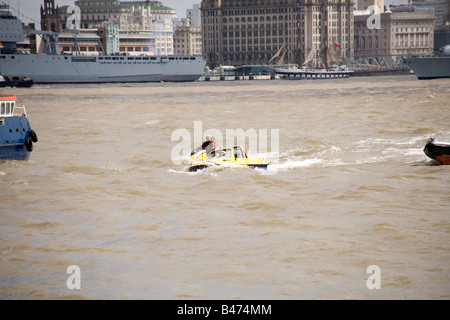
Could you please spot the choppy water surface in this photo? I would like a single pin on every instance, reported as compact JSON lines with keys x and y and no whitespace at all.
{"x":349,"y":187}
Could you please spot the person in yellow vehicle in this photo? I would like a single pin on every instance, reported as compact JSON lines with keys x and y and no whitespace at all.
{"x":209,"y":145}
{"x":209,"y":142}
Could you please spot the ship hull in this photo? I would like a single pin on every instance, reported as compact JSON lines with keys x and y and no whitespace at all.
{"x":430,"y":67}
{"x":439,"y":151}
{"x":299,"y":74}
{"x":315,"y":75}
{"x":101,"y":69}
{"x":18,"y":152}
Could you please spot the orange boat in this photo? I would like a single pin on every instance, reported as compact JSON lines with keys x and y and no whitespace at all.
{"x":439,"y":151}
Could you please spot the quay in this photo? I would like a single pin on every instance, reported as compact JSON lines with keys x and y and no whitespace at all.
{"x":357,"y":73}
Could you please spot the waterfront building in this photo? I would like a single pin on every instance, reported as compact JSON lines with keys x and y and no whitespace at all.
{"x":194,"y":16}
{"x":81,"y":42}
{"x":438,"y":7}
{"x":188,"y":34}
{"x":129,"y":13}
{"x":251,"y":32}
{"x":187,"y":39}
{"x":393,"y":34}
{"x":145,"y":27}
{"x":442,"y":32}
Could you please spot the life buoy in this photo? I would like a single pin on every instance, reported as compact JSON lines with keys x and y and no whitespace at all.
{"x":29,"y":144}
{"x":33,"y":136}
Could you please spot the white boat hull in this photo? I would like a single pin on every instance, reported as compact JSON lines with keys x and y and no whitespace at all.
{"x":296,"y":74}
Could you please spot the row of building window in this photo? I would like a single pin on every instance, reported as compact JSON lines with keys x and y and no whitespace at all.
{"x":261,"y":26}
{"x":256,"y":19}
{"x":369,"y":44}
{"x":95,"y":49}
{"x":254,"y":41}
{"x":363,"y":29}
{"x":284,"y":9}
{"x":253,"y":11}
{"x":260,"y":33}
{"x":269,"y":48}
{"x":247,"y":57}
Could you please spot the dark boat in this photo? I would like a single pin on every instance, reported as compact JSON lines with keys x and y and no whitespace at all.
{"x":19,"y":82}
{"x":439,"y":151}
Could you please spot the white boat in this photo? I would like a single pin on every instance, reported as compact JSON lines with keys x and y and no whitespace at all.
{"x":331,"y":69}
{"x":331,"y":72}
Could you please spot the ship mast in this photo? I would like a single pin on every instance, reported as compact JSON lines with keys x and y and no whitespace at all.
{"x":325,"y":50}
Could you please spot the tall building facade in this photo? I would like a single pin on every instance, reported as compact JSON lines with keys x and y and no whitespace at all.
{"x":251,"y":32}
{"x":187,"y":40}
{"x":188,"y":34}
{"x":193,"y":16}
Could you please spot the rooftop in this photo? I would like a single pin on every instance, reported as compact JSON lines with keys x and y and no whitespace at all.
{"x":154,"y":5}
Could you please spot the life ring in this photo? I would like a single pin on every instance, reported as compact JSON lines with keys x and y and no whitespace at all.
{"x":29,"y":144}
{"x":33,"y":136}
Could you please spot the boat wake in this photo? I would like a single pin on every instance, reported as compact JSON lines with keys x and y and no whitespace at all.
{"x":365,"y":151}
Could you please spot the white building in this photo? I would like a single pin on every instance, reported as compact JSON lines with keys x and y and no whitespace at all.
{"x":194,"y":16}
{"x":188,"y":33}
{"x":139,"y":22}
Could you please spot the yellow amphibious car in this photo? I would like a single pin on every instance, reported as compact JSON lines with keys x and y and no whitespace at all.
{"x":223,"y":156}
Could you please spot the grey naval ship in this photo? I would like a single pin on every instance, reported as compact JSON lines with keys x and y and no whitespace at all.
{"x":433,"y":67}
{"x":54,"y":67}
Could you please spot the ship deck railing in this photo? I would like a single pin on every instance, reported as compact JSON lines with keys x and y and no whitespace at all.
{"x":22,"y":114}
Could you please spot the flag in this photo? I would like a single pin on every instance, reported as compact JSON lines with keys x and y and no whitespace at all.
{"x":336,"y":45}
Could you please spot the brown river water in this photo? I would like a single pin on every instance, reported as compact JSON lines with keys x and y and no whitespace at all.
{"x":348,"y":187}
